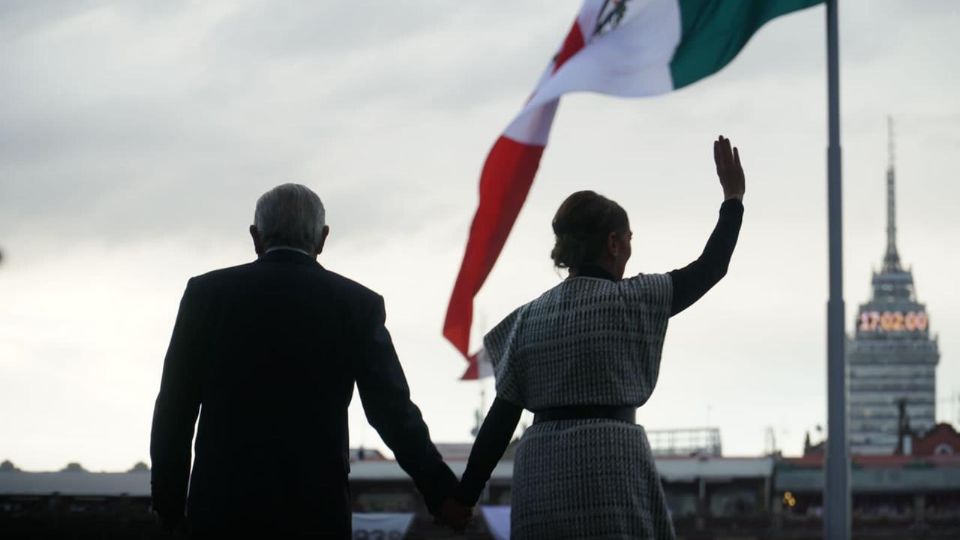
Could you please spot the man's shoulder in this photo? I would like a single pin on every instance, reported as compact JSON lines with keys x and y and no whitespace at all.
{"x":336,"y":283}
{"x":349,"y":287}
{"x":221,"y":275}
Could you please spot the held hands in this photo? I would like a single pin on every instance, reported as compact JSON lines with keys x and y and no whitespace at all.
{"x":174,"y":526}
{"x":729,"y":169}
{"x":454,"y":514}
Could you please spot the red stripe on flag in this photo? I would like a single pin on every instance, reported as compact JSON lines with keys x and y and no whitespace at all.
{"x":472,"y":372}
{"x":504,"y":183}
{"x":571,"y":46}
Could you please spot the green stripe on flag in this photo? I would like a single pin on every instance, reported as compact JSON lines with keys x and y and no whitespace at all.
{"x":714,"y":31}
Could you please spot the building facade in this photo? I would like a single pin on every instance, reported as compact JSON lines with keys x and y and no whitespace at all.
{"x":710,"y":498}
{"x":892,"y":356}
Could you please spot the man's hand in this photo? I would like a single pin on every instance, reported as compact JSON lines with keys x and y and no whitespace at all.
{"x":454,"y":514}
{"x":729,"y":169}
{"x":172,"y":525}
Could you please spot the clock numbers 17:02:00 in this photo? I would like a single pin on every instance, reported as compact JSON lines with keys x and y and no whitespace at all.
{"x":893,"y":321}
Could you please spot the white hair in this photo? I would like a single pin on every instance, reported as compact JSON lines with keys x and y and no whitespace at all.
{"x":290,"y":215}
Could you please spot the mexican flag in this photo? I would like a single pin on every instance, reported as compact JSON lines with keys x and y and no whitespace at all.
{"x":628,"y":48}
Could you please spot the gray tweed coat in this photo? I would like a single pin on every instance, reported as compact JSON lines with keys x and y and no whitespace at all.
{"x":587,"y":341}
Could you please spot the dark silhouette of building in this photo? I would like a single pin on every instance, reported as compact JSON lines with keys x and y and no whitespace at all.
{"x":711,"y":497}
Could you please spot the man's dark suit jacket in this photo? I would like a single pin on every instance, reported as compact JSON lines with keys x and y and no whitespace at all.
{"x":268,"y":353}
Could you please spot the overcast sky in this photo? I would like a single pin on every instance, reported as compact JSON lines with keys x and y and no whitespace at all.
{"x":135,"y":139}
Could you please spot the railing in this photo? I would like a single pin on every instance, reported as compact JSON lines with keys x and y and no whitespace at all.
{"x":685,"y":442}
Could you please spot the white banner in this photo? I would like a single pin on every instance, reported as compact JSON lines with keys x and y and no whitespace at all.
{"x":498,"y":521}
{"x":381,"y":526}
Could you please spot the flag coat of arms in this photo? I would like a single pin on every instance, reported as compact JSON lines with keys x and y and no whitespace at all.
{"x":627,"y":48}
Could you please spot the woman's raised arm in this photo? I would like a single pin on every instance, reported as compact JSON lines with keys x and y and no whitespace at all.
{"x":694,"y":280}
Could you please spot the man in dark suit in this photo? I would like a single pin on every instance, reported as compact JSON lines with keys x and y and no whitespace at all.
{"x":268,"y":353}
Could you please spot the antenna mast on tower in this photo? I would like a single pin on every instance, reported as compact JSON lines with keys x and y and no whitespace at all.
{"x":891,"y":261}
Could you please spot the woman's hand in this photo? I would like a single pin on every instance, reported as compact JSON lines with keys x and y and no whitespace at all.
{"x":454,"y":514}
{"x":729,"y":169}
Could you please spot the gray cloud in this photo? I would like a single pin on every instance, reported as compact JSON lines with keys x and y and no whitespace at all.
{"x":170,"y":133}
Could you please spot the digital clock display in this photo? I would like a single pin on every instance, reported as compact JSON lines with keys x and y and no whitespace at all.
{"x":893,"y":321}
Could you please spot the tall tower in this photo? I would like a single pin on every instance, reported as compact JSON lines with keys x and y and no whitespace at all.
{"x":892,"y":355}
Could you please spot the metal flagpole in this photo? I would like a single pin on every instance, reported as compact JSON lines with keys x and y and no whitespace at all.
{"x":836,"y":493}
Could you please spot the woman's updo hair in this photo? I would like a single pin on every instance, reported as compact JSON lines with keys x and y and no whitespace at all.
{"x":582,"y":224}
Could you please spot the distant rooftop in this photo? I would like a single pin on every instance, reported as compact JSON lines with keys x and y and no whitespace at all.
{"x":136,"y":483}
{"x":685,"y":442}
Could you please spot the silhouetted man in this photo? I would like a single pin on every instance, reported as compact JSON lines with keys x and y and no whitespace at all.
{"x":268,"y":353}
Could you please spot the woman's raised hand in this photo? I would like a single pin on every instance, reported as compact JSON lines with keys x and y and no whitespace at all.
{"x":729,"y":169}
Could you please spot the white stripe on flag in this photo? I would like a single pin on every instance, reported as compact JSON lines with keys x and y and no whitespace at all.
{"x":632,"y":61}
